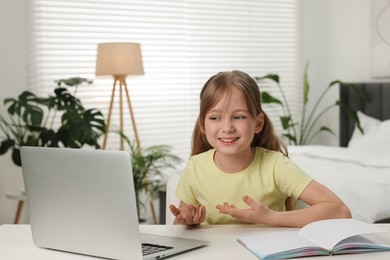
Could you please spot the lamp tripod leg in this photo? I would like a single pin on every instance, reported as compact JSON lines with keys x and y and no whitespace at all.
{"x":109,"y":115}
{"x":121,"y":83}
{"x":132,"y":115}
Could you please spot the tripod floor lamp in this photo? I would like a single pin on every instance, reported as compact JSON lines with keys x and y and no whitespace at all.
{"x":119,"y":59}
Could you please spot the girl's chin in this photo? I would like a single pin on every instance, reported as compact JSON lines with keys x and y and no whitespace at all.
{"x":230,"y":151}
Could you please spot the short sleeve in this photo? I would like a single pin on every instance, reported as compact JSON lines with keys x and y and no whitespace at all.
{"x":184,"y":189}
{"x":291,"y":179}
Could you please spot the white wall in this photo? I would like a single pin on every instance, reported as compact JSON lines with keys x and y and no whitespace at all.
{"x":12,"y":82}
{"x":337,"y":43}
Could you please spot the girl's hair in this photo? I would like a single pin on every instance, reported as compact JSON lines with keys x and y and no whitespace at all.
{"x":212,"y":92}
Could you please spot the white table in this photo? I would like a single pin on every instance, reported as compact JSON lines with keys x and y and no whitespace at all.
{"x":16,"y":243}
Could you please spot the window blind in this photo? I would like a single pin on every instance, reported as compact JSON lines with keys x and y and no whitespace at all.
{"x":183,"y":43}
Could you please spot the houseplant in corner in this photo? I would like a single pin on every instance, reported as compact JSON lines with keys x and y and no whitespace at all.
{"x":31,"y":121}
{"x":148,"y":167}
{"x":302,"y":131}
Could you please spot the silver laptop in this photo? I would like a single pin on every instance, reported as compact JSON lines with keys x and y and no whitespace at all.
{"x":83,"y":201}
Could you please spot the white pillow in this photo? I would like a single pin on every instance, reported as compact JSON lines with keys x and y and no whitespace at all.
{"x":369,"y":125}
{"x":376,"y":137}
{"x":380,"y":139}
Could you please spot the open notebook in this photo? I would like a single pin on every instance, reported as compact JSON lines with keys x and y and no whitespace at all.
{"x":83,"y":201}
{"x":325,"y":237}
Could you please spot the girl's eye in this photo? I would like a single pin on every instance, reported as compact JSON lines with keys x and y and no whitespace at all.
{"x":214,"y":118}
{"x":239,"y":117}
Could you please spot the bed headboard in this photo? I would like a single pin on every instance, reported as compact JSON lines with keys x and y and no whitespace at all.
{"x":377,"y":105}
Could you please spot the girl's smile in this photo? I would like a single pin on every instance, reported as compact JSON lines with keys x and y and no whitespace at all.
{"x":228,"y":140}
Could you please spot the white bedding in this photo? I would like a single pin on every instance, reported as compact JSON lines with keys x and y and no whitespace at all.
{"x":361,"y":178}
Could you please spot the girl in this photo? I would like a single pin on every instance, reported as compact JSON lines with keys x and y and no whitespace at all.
{"x":239,"y":171}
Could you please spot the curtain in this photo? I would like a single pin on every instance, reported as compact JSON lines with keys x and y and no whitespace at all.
{"x":183,"y":43}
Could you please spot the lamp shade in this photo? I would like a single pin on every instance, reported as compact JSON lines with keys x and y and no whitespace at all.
{"x":119,"y":58}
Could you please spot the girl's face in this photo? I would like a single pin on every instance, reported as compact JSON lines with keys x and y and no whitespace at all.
{"x":229,"y":127}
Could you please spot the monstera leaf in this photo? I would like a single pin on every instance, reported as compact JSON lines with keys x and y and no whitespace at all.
{"x":30,"y":121}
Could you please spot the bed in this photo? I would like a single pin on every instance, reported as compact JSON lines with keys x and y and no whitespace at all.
{"x":358,"y":171}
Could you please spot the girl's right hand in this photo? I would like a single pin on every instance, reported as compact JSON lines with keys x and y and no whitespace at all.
{"x":188,"y":214}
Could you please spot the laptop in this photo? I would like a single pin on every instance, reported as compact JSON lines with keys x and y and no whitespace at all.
{"x":83,"y":201}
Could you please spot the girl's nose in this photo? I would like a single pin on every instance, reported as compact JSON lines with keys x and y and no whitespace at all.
{"x":228,"y":127}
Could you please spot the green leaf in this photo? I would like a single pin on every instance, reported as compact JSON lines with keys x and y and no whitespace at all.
{"x":306,"y":86}
{"x":286,"y":122}
{"x":64,"y":100}
{"x":291,"y":138}
{"x":6,"y":145}
{"x":75,"y":81}
{"x":25,"y":107}
{"x":26,"y":96}
{"x":334,"y":82}
{"x":48,"y":138}
{"x":351,"y":113}
{"x":81,"y":127}
{"x":358,"y":92}
{"x":31,"y":140}
{"x":273,"y":77}
{"x":33,"y":115}
{"x":327,"y":129}
{"x":63,"y":136}
{"x":267,"y":98}
{"x":16,"y":157}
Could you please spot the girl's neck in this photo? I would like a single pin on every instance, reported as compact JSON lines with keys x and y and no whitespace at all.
{"x":234,"y":163}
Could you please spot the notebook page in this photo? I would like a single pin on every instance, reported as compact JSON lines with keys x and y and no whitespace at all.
{"x":272,"y":243}
{"x":327,"y":233}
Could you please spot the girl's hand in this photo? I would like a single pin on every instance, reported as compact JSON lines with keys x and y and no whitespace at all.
{"x":188,"y":214}
{"x":258,"y":213}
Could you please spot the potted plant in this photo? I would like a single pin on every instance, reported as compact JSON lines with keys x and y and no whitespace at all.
{"x":148,"y":167}
{"x":302,"y":132}
{"x":32,"y":121}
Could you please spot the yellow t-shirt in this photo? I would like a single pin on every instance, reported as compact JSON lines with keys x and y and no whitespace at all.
{"x":270,"y":178}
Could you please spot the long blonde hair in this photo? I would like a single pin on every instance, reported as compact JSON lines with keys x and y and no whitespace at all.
{"x":211,"y":93}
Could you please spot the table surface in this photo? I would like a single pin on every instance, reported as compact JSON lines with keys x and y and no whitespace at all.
{"x":16,"y":243}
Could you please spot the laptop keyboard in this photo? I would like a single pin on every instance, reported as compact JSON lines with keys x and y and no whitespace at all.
{"x":148,"y":249}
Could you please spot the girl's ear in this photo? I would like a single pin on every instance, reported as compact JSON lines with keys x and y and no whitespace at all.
{"x":259,"y":123}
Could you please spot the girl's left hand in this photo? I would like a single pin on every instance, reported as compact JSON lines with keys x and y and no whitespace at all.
{"x":258,"y":213}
